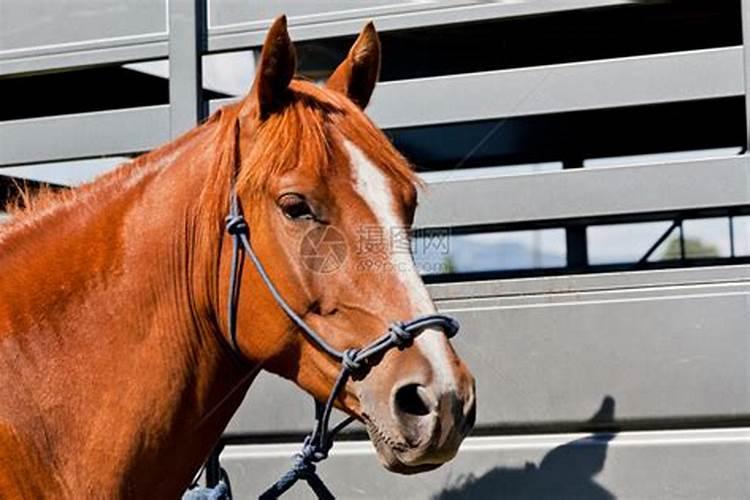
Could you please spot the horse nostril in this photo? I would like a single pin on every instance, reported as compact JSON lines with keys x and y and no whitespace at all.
{"x":414,"y":399}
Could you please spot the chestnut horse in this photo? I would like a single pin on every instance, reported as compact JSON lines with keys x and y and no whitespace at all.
{"x":117,"y":375}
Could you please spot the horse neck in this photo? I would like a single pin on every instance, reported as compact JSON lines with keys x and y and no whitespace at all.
{"x":127,"y":383}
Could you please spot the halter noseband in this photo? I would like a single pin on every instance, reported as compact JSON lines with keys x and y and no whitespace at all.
{"x":354,"y":361}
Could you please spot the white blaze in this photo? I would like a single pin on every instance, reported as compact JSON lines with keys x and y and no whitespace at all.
{"x":374,"y":188}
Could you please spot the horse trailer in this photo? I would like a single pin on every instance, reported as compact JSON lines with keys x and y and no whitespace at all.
{"x":585,"y":215}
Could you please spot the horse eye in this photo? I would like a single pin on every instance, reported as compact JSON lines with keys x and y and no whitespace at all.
{"x":294,"y":206}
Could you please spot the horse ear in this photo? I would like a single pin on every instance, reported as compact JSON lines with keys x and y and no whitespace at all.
{"x":278,"y":62}
{"x":357,"y":74}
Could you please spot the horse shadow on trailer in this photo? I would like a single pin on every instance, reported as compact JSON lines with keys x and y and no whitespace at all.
{"x":567,"y":471}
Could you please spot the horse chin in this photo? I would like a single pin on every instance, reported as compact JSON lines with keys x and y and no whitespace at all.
{"x":395,"y":456}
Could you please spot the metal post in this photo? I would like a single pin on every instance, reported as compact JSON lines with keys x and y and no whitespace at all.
{"x":213,"y":466}
{"x":575,"y":235}
{"x":187,"y":39}
{"x":745,"y":6}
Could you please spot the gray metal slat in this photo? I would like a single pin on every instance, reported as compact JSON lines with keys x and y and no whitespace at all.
{"x":88,"y":55}
{"x":224,"y":13}
{"x":694,"y":464}
{"x":251,"y":34}
{"x":445,"y":293}
{"x":83,"y":135}
{"x":627,"y":81}
{"x":587,"y":192}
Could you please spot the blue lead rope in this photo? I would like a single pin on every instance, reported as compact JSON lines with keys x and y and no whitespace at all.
{"x":218,"y":492}
{"x":354,"y":362}
{"x":303,"y":469}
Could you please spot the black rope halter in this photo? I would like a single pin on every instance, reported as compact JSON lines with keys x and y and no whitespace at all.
{"x":355,"y":362}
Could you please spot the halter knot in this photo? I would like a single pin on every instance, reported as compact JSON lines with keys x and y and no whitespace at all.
{"x":399,"y":336}
{"x":311,"y":451}
{"x":304,"y":462}
{"x":304,"y":470}
{"x":235,"y":224}
{"x":303,"y":466}
{"x":451,"y":327}
{"x":350,"y":361}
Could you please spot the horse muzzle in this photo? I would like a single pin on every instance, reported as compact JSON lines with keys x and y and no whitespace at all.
{"x":424,"y":426}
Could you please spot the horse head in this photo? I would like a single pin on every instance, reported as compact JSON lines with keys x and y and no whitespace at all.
{"x":329,"y":203}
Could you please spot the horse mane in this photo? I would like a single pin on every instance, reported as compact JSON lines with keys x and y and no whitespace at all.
{"x":31,"y":208}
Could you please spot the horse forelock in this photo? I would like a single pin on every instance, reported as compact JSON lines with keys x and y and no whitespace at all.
{"x":306,"y":132}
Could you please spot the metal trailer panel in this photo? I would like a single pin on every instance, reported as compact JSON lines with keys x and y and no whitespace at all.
{"x":546,"y":359}
{"x":83,"y":135}
{"x":46,"y":34}
{"x":247,"y":31}
{"x":696,"y":464}
{"x":587,"y":192}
